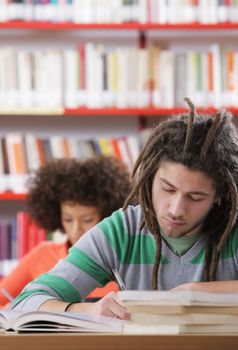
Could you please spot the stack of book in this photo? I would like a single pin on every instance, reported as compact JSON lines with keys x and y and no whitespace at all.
{"x":168,"y":312}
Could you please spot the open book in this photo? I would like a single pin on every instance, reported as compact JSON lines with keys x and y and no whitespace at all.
{"x":41,"y":321}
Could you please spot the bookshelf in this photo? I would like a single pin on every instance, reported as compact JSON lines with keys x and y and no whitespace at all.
{"x":120,"y":40}
{"x":164,"y":35}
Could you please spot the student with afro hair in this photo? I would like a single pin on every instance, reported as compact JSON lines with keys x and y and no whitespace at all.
{"x":71,"y":196}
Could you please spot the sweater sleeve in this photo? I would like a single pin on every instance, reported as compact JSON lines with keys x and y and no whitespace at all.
{"x":87,"y":266}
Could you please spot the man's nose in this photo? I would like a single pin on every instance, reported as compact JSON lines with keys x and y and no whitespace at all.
{"x":177,"y":206}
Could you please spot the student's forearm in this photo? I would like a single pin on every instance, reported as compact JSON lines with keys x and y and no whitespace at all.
{"x":210,"y":287}
{"x":107,"y":306}
{"x":59,"y":306}
{"x":31,"y":303}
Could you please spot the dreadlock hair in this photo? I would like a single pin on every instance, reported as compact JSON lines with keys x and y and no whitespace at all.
{"x":199,"y":142}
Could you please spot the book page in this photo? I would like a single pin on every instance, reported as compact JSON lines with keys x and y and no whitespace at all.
{"x":6,"y":317}
{"x":76,"y":321}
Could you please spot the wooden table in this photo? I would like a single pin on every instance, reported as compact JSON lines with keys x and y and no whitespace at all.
{"x":14,"y":341}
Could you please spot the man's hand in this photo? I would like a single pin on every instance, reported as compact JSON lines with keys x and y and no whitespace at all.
{"x":107,"y":306}
{"x":209,"y":287}
{"x":186,"y":286}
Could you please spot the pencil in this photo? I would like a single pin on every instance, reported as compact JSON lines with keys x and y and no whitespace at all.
{"x":118,"y":279}
{"x":6,"y":294}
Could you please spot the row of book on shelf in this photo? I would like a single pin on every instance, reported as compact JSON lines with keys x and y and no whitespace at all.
{"x":119,"y":11}
{"x":22,"y":154}
{"x":152,"y":312}
{"x":17,"y":237}
{"x":99,"y":76}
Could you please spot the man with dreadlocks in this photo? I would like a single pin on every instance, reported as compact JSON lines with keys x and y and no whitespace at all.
{"x":182,"y":235}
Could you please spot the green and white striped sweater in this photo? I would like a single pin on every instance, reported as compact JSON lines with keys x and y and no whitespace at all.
{"x":118,"y":243}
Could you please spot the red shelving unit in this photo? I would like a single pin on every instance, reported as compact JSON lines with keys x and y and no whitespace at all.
{"x":33,"y":25}
{"x":8,"y":196}
{"x":125,"y":112}
{"x":122,"y":112}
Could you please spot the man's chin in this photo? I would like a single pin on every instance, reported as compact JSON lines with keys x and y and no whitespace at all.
{"x":172,"y":233}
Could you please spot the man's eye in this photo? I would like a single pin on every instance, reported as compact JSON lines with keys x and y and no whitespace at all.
{"x":196,"y":199}
{"x":169,"y":190}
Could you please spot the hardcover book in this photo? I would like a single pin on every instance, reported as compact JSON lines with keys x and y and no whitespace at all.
{"x":174,"y":312}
